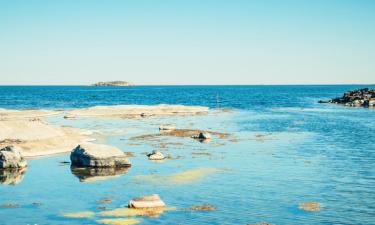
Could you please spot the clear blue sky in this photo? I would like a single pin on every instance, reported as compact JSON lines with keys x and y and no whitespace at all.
{"x":187,"y":42}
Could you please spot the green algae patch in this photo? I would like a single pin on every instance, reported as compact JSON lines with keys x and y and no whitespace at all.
{"x":187,"y":176}
{"x":123,"y":212}
{"x":119,"y":221}
{"x":82,"y":214}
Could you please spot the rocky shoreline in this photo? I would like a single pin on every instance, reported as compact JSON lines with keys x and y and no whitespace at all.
{"x":357,"y":98}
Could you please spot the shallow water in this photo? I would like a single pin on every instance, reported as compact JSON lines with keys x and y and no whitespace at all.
{"x":285,"y":149}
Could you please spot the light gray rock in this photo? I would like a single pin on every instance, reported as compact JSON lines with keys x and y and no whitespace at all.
{"x":156,"y":155}
{"x":11,"y":157}
{"x":202,"y":136}
{"x":97,"y":155}
{"x":149,"y":201}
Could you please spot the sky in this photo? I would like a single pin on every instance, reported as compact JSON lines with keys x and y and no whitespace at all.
{"x":150,"y":42}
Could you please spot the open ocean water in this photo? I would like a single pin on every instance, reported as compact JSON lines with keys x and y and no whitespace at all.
{"x":285,"y":149}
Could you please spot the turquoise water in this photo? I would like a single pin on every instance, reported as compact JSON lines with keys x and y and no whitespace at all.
{"x":285,"y":149}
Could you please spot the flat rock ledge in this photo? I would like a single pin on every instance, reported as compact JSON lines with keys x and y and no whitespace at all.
{"x":97,"y":155}
{"x":358,"y":98}
{"x":11,"y":157}
{"x":148,"y":201}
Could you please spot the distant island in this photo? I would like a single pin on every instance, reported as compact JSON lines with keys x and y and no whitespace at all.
{"x":362,"y":97}
{"x":113,"y":83}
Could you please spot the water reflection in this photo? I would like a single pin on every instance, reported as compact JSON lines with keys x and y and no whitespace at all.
{"x":100,"y":173}
{"x":12,"y":176}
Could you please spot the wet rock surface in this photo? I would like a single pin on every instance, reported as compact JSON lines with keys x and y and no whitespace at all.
{"x":11,"y":157}
{"x":358,"y":98}
{"x":95,"y":155}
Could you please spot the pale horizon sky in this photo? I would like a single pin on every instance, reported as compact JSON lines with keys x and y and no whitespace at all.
{"x":187,"y":42}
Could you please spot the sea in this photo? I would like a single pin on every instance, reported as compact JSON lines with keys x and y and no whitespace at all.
{"x":284,"y":150}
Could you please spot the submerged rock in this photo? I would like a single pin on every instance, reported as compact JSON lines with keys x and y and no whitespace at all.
{"x":362,"y":97}
{"x":205,"y":207}
{"x":11,"y":157}
{"x":310,"y":206}
{"x":156,"y":155}
{"x":149,"y":201}
{"x":202,"y":136}
{"x":119,"y":221}
{"x":95,"y":155}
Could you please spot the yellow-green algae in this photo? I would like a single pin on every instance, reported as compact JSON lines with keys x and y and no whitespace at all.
{"x":119,"y":221}
{"x":187,"y":176}
{"x":82,"y":214}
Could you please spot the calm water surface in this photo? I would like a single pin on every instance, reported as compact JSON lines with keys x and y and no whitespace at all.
{"x":309,"y":152}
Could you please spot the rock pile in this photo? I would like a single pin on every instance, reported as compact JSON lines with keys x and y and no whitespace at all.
{"x":360,"y":98}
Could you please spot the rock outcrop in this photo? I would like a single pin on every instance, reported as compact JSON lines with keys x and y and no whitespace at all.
{"x":11,"y":157}
{"x":149,"y":201}
{"x":359,"y":98}
{"x":156,"y":155}
{"x":113,"y":83}
{"x":96,"y":155}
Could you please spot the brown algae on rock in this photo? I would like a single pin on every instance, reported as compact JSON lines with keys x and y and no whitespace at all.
{"x":310,"y":206}
{"x":82,"y":214}
{"x":180,"y":177}
{"x":119,"y":221}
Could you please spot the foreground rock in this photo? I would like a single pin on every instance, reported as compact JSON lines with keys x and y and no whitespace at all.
{"x":156,"y":155}
{"x":149,"y":201}
{"x":131,"y":111}
{"x":11,"y":157}
{"x":360,"y":98}
{"x":96,"y":155}
{"x":113,"y":83}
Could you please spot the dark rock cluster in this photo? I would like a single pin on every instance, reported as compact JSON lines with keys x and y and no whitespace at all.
{"x":361,"y":97}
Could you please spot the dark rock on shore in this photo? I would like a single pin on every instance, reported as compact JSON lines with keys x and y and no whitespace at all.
{"x":359,"y":98}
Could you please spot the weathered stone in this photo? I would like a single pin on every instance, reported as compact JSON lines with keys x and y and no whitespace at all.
{"x":156,"y":155}
{"x":96,"y":155}
{"x":149,"y":201}
{"x":11,"y":157}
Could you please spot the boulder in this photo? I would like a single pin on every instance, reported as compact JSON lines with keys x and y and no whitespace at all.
{"x":149,"y":201}
{"x":202,"y":136}
{"x":97,"y":155}
{"x":156,"y":155}
{"x":167,"y":127}
{"x":11,"y":157}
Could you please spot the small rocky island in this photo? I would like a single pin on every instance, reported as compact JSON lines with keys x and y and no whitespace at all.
{"x":361,"y":97}
{"x":113,"y":83}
